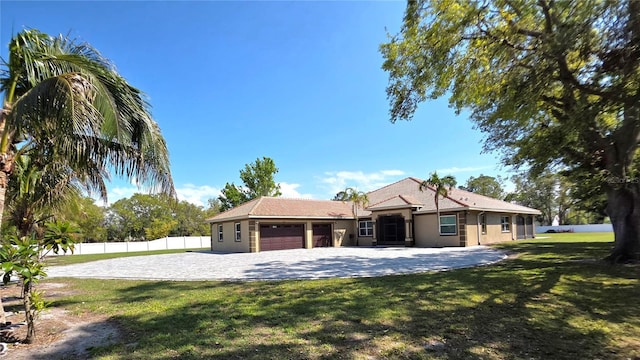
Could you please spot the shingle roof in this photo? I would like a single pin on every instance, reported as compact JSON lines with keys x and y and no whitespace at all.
{"x":403,"y":193}
{"x":287,"y":208}
{"x":409,"y":188}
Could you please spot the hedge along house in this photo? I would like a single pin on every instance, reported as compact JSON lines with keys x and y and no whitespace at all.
{"x":398,"y":214}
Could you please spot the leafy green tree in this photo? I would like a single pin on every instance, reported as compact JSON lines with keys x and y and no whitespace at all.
{"x":232,"y":196}
{"x":258,"y":180}
{"x":538,"y":192}
{"x":132,"y":216}
{"x":35,"y":190}
{"x":190,"y":220}
{"x":87,"y":216}
{"x":358,"y":200}
{"x":23,"y":256}
{"x":485,"y":185}
{"x":440,"y":186}
{"x":214,"y":207}
{"x":550,"y":83}
{"x":149,"y":217}
{"x":159,"y":228}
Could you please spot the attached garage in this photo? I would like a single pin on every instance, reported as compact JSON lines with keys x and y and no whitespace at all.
{"x":281,"y":236}
{"x":322,"y":235}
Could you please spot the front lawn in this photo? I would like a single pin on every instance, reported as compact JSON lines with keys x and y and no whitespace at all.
{"x":83,"y":258}
{"x":550,"y":300}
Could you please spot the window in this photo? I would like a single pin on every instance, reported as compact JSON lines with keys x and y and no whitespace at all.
{"x":220,"y":232}
{"x":238,"y":238}
{"x":483,"y":223}
{"x":448,"y":225}
{"x":365,"y":228}
{"x":505,"y":222}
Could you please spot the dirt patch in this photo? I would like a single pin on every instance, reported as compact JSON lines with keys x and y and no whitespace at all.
{"x":59,"y":334}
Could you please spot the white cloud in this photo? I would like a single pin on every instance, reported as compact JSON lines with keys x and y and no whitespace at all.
{"x":337,"y":181}
{"x":118,"y":193}
{"x":455,"y":169}
{"x":197,"y":195}
{"x":290,"y":191}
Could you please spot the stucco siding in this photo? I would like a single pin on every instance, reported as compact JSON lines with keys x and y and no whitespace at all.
{"x":427,"y":233}
{"x":341,"y":231}
{"x":472,"y":228}
{"x":229,"y":243}
{"x":494,"y":232}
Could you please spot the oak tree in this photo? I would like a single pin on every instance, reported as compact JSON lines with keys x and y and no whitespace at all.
{"x":552,"y":84}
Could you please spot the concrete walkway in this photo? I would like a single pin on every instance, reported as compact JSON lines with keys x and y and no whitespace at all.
{"x":285,"y":264}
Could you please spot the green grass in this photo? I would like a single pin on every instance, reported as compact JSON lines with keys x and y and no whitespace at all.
{"x":552,"y":300}
{"x":76,"y":259}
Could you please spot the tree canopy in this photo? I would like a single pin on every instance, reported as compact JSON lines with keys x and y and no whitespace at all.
{"x":485,"y":185}
{"x":552,"y":84}
{"x":257,"y":179}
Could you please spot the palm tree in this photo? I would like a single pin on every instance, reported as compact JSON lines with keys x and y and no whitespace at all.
{"x":34,"y":190}
{"x":358,"y":199}
{"x":64,"y":102}
{"x":441,"y":187}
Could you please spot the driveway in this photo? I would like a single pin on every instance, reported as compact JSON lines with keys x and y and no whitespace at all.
{"x":318,"y":263}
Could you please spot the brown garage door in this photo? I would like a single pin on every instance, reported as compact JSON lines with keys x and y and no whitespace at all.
{"x":321,"y":235}
{"x":281,"y":237}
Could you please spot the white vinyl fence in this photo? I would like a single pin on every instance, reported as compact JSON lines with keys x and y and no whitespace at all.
{"x":181,"y":242}
{"x":576,"y":228}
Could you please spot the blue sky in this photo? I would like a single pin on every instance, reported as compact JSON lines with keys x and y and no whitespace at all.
{"x":300,"y":82}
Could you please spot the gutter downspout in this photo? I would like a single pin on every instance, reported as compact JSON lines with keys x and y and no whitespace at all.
{"x":479,"y":226}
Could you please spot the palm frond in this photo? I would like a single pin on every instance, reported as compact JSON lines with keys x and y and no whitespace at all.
{"x":70,"y":101}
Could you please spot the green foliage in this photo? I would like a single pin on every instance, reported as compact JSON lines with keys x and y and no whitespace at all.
{"x":214,"y":207}
{"x":149,"y":217}
{"x":101,"y":120}
{"x":23,"y":255}
{"x":485,"y":185}
{"x":159,"y":228}
{"x":440,"y":187}
{"x":258,"y":180}
{"x":59,"y":236}
{"x":87,"y":216}
{"x":552,"y":84}
{"x":358,"y":200}
{"x":67,"y":116}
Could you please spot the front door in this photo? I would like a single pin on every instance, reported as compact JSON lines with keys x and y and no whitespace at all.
{"x":391,"y":230}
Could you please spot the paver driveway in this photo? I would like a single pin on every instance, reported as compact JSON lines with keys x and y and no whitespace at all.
{"x":285,"y":264}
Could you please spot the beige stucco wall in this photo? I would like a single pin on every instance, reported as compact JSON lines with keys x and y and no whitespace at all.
{"x":427,"y":233}
{"x":472,"y":228}
{"x":229,"y":244}
{"x":341,"y":231}
{"x":494,"y":232}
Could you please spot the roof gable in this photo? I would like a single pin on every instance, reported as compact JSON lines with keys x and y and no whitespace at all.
{"x":408,"y":190}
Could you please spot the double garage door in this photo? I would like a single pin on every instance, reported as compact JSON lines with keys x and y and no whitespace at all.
{"x":291,"y":236}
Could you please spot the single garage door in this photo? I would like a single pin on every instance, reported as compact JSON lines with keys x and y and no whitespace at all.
{"x":321,"y":235}
{"x":281,"y":237}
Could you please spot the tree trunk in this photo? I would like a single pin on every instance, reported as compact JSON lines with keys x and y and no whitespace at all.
{"x":623,"y":208}
{"x":28,"y":312}
{"x":4,"y":180}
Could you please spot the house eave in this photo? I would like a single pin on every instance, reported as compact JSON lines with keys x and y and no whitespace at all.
{"x":279,"y":217}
